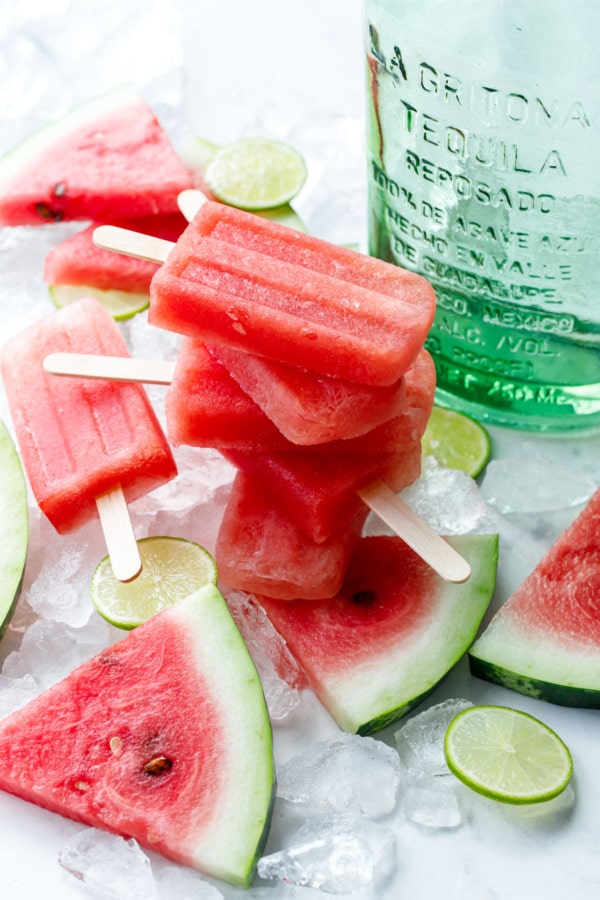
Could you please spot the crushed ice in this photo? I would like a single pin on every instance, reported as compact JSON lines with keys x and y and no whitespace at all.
{"x":340,"y":855}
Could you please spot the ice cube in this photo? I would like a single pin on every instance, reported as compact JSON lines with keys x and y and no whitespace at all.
{"x":448,"y":500}
{"x":109,"y":866}
{"x":533,"y":484}
{"x":347,"y":773}
{"x":420,"y":741}
{"x":338,"y":856}
{"x":179,"y":883}
{"x":279,"y":672}
{"x":60,"y":593}
{"x":16,"y":692}
{"x":51,"y":650}
{"x":431,"y":802}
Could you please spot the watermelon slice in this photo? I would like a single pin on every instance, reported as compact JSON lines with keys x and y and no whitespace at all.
{"x":545,"y":640}
{"x":375,"y":650}
{"x":106,"y":159}
{"x":77,"y":268}
{"x":163,"y":737}
{"x":78,"y":261}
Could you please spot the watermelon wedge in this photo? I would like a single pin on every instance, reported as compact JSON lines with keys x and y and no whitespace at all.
{"x":107,"y":159}
{"x":163,"y":737}
{"x":545,"y":640}
{"x":78,"y":261}
{"x":394,"y":630}
{"x":77,"y":268}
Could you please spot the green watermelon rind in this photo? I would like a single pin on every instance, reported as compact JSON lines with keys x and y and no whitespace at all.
{"x":245,"y":811}
{"x":565,"y":672}
{"x":32,"y":147}
{"x":15,"y":526}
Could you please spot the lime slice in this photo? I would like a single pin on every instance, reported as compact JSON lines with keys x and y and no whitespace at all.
{"x":456,"y":441}
{"x":120,"y":304}
{"x":256,"y":173}
{"x":507,"y":755}
{"x":172,"y":568}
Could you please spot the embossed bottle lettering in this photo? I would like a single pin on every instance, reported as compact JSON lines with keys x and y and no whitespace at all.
{"x":483,"y":176}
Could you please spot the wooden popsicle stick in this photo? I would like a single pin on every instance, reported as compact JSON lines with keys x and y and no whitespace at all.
{"x":110,"y":368}
{"x":429,"y":545}
{"x":189,"y":202}
{"x":118,"y":531}
{"x":132,"y":243}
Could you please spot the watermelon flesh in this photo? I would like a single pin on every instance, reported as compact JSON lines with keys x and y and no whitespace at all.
{"x":394,"y":630}
{"x":163,"y":737}
{"x":107,"y":159}
{"x":259,"y":549}
{"x":78,"y":261}
{"x":545,"y":640}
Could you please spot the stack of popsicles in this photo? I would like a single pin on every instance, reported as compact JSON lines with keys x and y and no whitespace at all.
{"x":303,"y":363}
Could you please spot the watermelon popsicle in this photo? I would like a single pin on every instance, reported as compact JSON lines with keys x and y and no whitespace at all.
{"x":87,"y":447}
{"x":236,"y":279}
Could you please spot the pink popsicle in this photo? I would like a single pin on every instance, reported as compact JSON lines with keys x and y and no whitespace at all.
{"x":80,"y":438}
{"x":238,"y":279}
{"x":319,"y":493}
{"x":260,"y":550}
{"x":206,"y":407}
{"x":309,"y":408}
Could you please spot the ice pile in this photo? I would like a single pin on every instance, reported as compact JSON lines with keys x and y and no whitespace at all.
{"x":335,"y":855}
{"x":279,"y":672}
{"x":111,"y":868}
{"x":345,"y":790}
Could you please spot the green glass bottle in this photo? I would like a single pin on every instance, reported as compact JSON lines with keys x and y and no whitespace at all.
{"x":483,"y":141}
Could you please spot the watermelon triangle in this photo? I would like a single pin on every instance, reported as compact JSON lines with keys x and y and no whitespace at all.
{"x":107,"y":159}
{"x":394,"y":630}
{"x":545,"y":640}
{"x":163,"y":737}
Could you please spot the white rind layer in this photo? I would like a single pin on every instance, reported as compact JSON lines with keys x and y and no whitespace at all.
{"x":14,"y":526}
{"x":506,"y":644}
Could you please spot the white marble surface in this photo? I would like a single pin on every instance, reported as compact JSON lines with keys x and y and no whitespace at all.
{"x":292,"y":70}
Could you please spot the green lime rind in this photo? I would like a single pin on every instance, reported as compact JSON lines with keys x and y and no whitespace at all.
{"x":507,"y":755}
{"x":457,"y":441}
{"x":120,"y":304}
{"x":256,"y":173}
{"x":172,"y":568}
{"x":14,"y":528}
